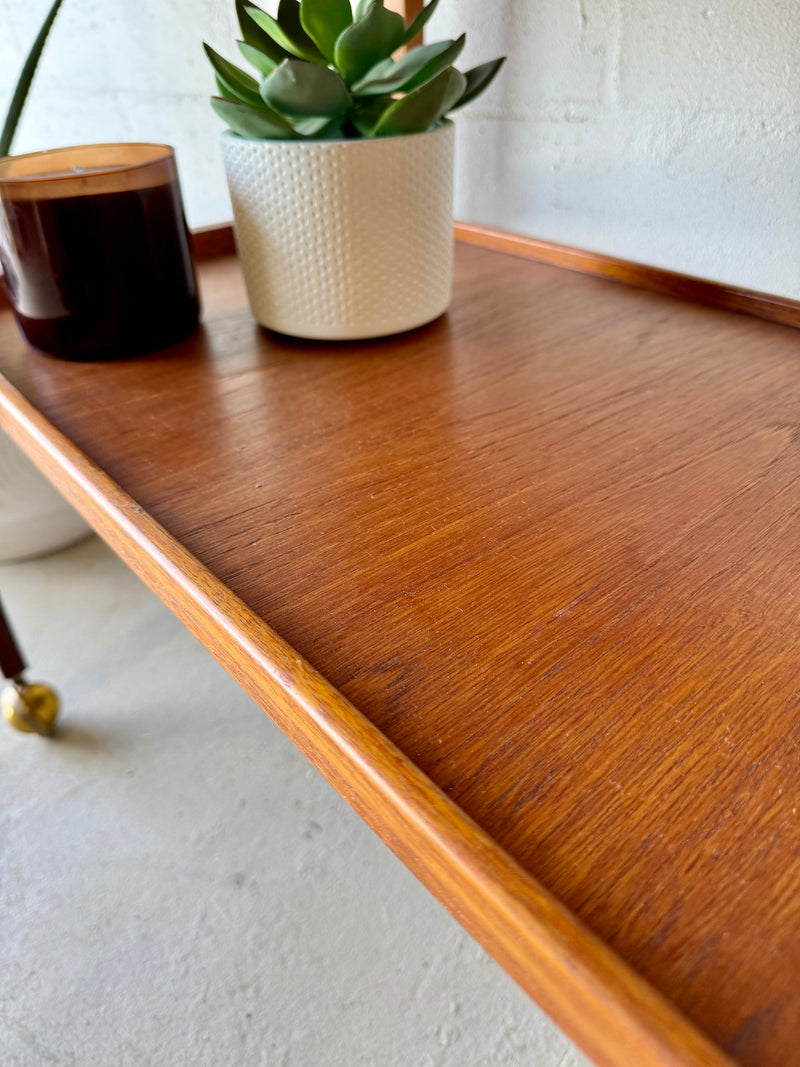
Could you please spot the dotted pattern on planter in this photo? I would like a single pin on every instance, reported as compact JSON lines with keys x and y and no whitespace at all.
{"x":344,"y":239}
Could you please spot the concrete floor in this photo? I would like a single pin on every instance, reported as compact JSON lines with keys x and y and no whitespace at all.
{"x":180,"y":887}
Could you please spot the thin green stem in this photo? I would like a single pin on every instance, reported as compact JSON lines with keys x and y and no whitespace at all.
{"x":24,"y":83}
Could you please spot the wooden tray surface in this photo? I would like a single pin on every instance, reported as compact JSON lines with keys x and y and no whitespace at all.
{"x":548,"y":547}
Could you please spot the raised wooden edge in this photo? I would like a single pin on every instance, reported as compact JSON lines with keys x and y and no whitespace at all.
{"x":211,"y":241}
{"x":208,"y":242}
{"x":616,"y":1017}
{"x":697,"y":290}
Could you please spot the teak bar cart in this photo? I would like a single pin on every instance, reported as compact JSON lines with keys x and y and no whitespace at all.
{"x":543,"y":555}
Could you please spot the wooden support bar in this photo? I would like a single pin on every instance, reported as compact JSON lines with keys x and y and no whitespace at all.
{"x":11,"y":661}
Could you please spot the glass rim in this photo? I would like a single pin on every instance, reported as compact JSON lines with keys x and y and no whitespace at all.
{"x":161,"y":153}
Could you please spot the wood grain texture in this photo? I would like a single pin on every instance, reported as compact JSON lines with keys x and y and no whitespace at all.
{"x":553,"y":956}
{"x":697,"y":290}
{"x":547,"y":547}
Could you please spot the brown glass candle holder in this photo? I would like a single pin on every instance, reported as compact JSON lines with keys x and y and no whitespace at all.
{"x":95,"y":250}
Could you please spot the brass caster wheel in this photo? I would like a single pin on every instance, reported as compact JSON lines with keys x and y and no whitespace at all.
{"x":29,"y":707}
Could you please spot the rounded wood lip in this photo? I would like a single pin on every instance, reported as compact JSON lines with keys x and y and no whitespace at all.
{"x":600,"y":1002}
{"x":209,"y":242}
{"x":762,"y":305}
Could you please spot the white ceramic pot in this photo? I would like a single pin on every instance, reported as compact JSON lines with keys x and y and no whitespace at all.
{"x":34,"y":518}
{"x":341,"y":240}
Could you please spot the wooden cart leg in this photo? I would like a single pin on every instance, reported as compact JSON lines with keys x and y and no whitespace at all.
{"x":30,"y":707}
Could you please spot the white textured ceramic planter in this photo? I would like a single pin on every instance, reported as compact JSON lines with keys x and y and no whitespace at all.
{"x":344,"y":239}
{"x":34,"y":518}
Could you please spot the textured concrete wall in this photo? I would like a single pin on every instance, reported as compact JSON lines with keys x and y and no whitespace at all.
{"x":667,"y":133}
{"x":133,"y":70}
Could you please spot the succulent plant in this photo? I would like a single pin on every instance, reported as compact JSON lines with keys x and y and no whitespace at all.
{"x":326,"y":71}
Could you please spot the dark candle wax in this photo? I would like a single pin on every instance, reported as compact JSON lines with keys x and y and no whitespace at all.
{"x":103,"y":275}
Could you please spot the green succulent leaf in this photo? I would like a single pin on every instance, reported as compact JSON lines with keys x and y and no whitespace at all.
{"x":367,"y":114}
{"x":279,"y":35}
{"x":289,"y":20}
{"x":227,"y":93}
{"x":297,"y":88}
{"x":254,"y":35}
{"x":372,"y":37}
{"x":263,"y":63}
{"x":478,"y":78}
{"x":326,"y":71}
{"x":425,"y":106}
{"x":251,"y":122}
{"x":416,"y":25}
{"x":321,"y":129}
{"x":413,"y":69}
{"x":324,"y":20}
{"x":237,"y":82}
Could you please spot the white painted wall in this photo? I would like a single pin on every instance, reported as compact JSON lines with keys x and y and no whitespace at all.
{"x":663,"y":132}
{"x":132,"y":70}
{"x":667,"y":133}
